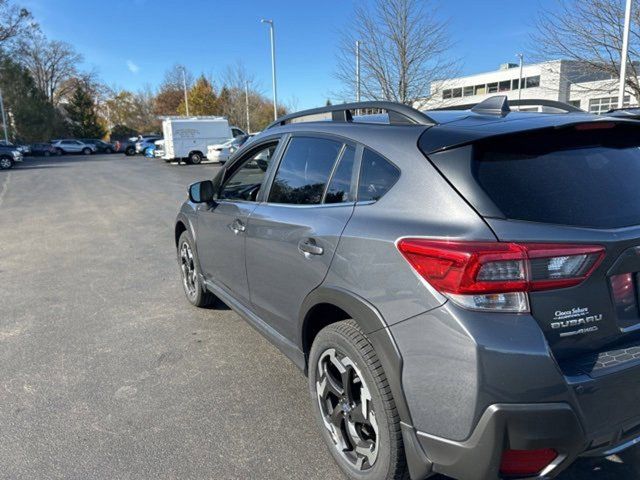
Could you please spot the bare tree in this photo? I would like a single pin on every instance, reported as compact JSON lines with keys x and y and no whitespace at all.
{"x":589,"y":32}
{"x":51,"y":63}
{"x":404,"y":48}
{"x":14,"y":22}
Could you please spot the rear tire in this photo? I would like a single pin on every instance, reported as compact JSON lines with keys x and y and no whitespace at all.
{"x":195,"y":158}
{"x":353,"y":405}
{"x":86,"y":151}
{"x":6,"y":163}
{"x":130,"y":151}
{"x":194,"y":290}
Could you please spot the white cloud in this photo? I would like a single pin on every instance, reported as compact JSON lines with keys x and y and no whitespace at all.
{"x":133,"y":68}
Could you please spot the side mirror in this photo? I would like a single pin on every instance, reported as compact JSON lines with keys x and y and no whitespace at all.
{"x":202,"y":192}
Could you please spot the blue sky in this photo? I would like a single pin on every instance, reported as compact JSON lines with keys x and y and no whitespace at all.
{"x":132,"y":42}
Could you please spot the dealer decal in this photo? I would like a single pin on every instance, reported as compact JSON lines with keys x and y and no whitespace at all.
{"x":576,"y":317}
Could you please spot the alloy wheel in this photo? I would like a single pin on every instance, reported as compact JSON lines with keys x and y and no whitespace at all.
{"x":5,"y":163}
{"x":188,"y":268}
{"x":347,"y":409}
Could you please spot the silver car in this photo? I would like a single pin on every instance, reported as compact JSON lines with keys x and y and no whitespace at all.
{"x":73,"y":146}
{"x":462,"y":288}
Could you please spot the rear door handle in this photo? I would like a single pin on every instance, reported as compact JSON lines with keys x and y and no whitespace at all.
{"x":308,"y":246}
{"x":237,"y":226}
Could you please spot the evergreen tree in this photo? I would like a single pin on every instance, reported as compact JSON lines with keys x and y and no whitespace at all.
{"x":328,"y":104}
{"x":82,"y":114}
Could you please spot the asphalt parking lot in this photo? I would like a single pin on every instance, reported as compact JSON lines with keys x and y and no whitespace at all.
{"x":108,"y":372}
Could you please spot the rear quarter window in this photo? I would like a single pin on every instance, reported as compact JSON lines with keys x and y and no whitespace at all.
{"x":377,"y":176}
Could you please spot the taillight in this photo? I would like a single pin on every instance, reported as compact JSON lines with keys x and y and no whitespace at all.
{"x":497,"y":276}
{"x":526,"y":463}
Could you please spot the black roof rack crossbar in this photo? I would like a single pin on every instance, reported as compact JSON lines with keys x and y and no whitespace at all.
{"x":398,"y":113}
{"x":534,"y":102}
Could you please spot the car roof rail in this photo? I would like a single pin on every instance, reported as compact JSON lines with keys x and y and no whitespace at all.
{"x":496,"y":104}
{"x":399,"y":114}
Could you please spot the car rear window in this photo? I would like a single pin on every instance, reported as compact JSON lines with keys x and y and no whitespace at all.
{"x":579,"y":177}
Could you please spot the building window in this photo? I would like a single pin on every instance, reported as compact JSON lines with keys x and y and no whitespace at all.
{"x":456,"y":92}
{"x":531,"y":82}
{"x":492,"y":87}
{"x":603,"y":105}
{"x":514,"y":83}
{"x":504,"y":86}
{"x":480,"y":89}
{"x":446,"y":93}
{"x":467,"y":91}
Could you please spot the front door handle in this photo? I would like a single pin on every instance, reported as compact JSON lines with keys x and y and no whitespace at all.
{"x":237,"y":226}
{"x":308,"y":246}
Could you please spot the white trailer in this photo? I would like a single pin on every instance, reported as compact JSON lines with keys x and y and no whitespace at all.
{"x":188,"y":138}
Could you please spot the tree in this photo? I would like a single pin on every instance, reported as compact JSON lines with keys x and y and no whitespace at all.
{"x":122,"y":132}
{"x":132,"y":110}
{"x":202,"y":99}
{"x":83,"y":119}
{"x":590,"y":33}
{"x":51,"y":63}
{"x":328,"y":104}
{"x":33,"y":118}
{"x":171,"y":93}
{"x":15,"y":22}
{"x":404,"y":48}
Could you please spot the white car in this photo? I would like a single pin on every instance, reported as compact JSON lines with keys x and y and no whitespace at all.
{"x":73,"y":146}
{"x":222,"y":151}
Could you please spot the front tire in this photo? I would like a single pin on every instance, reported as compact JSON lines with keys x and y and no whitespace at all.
{"x":6,"y":163}
{"x":195,"y":292}
{"x":86,"y":151}
{"x":353,"y":405}
{"x":195,"y":158}
{"x":130,"y":152}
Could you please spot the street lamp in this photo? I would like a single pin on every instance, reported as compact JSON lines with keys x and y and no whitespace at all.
{"x":4,"y":119}
{"x":273,"y":67}
{"x":521,"y":57}
{"x":184,"y":85}
{"x":624,"y":53}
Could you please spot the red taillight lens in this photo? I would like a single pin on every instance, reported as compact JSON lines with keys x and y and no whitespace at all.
{"x":473,"y":271}
{"x":525,"y":463}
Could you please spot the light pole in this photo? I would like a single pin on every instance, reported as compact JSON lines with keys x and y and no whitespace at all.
{"x":273,"y":67}
{"x":4,"y":119}
{"x":246,"y":98}
{"x":624,"y":53}
{"x":521,"y":57}
{"x":184,"y":85}
{"x":357,"y":70}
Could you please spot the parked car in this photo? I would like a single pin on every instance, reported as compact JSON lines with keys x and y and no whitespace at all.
{"x":188,"y":138}
{"x":158,"y":151}
{"x":460,"y":287}
{"x":101,"y":145}
{"x":144,"y":142}
{"x":9,"y":155}
{"x":24,"y":149}
{"x":43,"y":150}
{"x":73,"y":146}
{"x":222,"y":151}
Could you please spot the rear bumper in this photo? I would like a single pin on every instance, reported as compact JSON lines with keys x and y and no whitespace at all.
{"x":477,"y":385}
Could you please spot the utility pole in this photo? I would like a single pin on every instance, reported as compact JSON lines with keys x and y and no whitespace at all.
{"x":521,"y":57}
{"x":357,"y":70}
{"x":624,"y":54}
{"x":184,"y":85}
{"x":4,"y":119}
{"x":273,"y":67}
{"x":246,"y":97}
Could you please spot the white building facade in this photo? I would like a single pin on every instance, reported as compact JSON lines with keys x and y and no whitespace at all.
{"x":560,"y":80}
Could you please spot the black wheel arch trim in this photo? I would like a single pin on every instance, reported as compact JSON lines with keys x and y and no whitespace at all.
{"x":377,"y":331}
{"x":184,"y":219}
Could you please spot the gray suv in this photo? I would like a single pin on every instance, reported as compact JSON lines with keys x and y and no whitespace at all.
{"x":460,"y":287}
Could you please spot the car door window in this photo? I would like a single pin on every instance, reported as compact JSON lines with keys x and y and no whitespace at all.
{"x":236,"y":132}
{"x":377,"y":176}
{"x":340,"y":187}
{"x":304,"y":171}
{"x":245,"y":182}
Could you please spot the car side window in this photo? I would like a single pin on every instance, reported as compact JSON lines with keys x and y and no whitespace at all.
{"x":235,"y":132}
{"x":245,"y":182}
{"x":339,"y":190}
{"x":304,"y":171}
{"x":377,"y":176}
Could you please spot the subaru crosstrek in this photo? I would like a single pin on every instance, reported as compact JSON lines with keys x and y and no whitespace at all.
{"x":460,"y":287}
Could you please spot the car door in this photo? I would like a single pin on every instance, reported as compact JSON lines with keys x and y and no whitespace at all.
{"x":292,"y":236}
{"x":221,"y":227}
